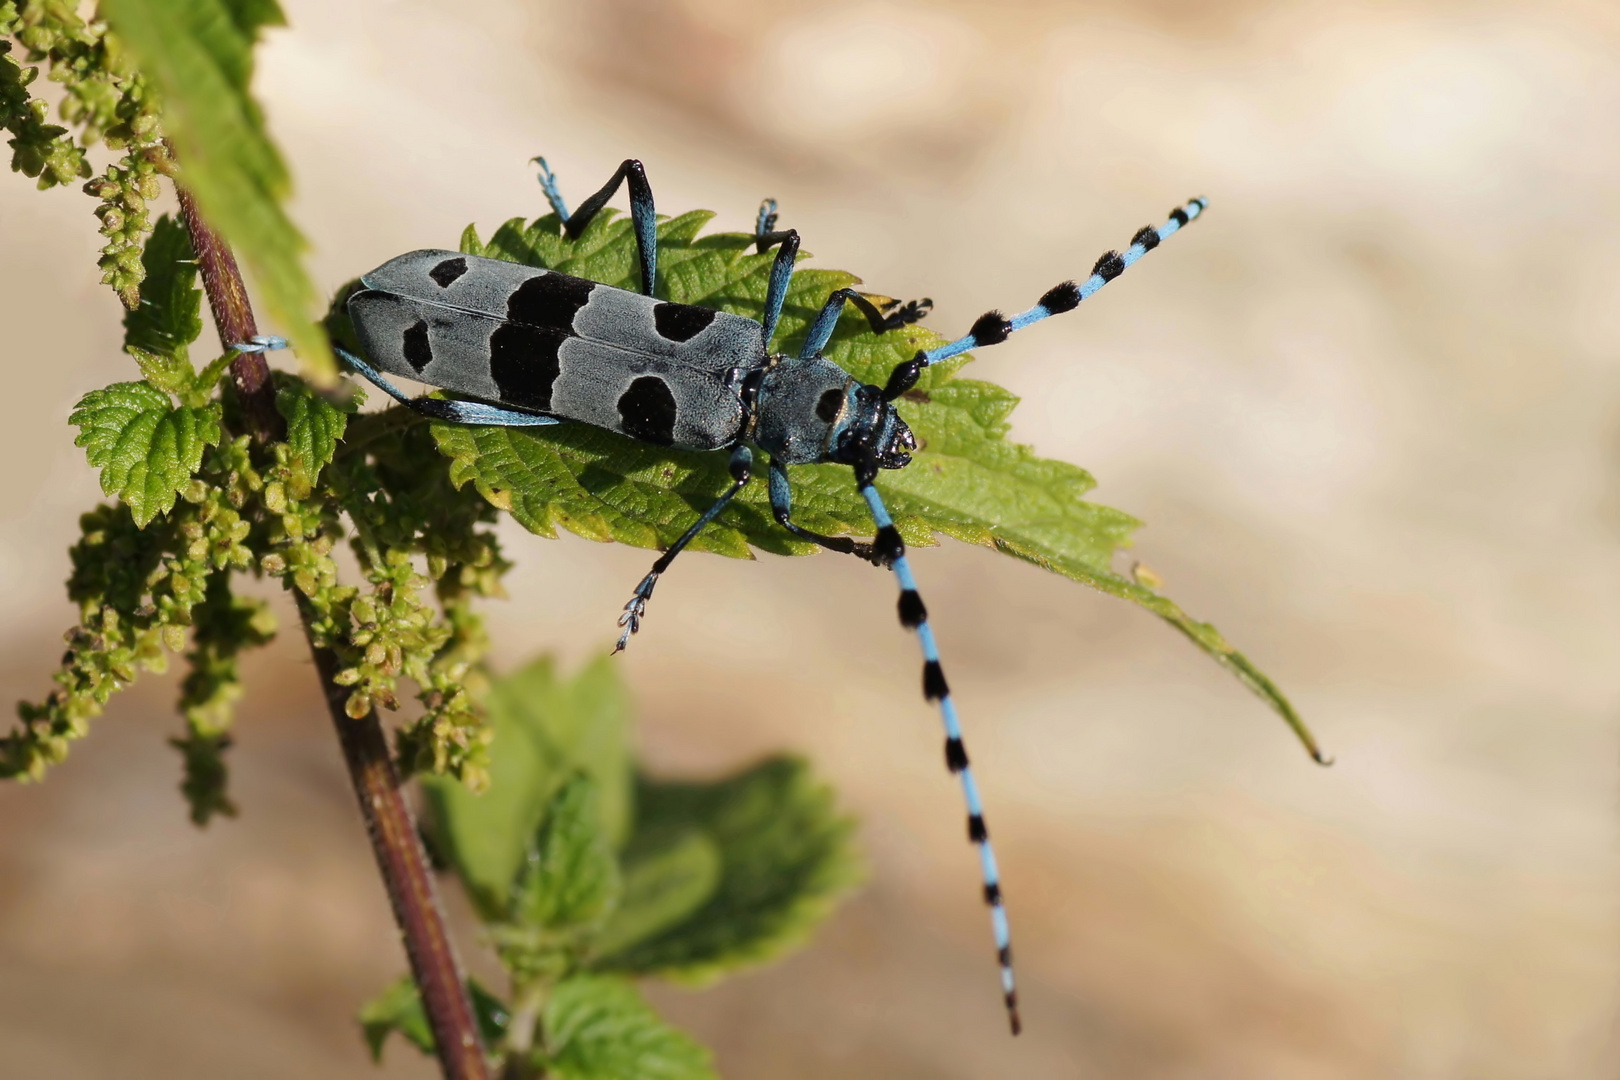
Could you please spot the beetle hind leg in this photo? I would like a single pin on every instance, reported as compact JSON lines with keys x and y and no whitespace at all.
{"x":456,"y":412}
{"x":642,"y":216}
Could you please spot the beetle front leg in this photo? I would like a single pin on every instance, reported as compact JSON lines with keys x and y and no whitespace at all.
{"x":782,"y":509}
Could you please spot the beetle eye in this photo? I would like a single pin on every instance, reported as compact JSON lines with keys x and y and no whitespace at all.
{"x":827,"y":408}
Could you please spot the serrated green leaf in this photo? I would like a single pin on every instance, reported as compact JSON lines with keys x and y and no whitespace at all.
{"x":170,"y":374}
{"x":786,"y":856}
{"x":570,"y":878}
{"x":668,"y":875}
{"x":199,"y":54}
{"x":546,"y":729}
{"x":399,"y":1009}
{"x":966,"y":480}
{"x":597,"y":1028}
{"x":147,"y":449}
{"x":314,"y":425}
{"x":169,"y":316}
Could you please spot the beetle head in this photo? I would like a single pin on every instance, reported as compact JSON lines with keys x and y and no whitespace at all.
{"x":871,"y":431}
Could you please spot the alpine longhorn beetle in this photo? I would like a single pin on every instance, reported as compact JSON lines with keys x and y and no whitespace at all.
{"x":549,"y":347}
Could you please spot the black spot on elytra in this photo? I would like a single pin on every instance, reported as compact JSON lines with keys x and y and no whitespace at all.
{"x":1147,"y":236}
{"x":912,"y":612}
{"x":550,"y":300}
{"x":418,"y":353}
{"x":1061,"y":298}
{"x":829,"y":404}
{"x":956,"y":758}
{"x":976,"y":830}
{"x":523,"y":362}
{"x":991,"y":328}
{"x":934,"y":686}
{"x":447,"y":272}
{"x":681,"y":322}
{"x":647,"y":411}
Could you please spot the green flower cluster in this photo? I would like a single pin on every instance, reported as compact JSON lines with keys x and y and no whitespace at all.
{"x":199,"y":507}
{"x":108,"y":102}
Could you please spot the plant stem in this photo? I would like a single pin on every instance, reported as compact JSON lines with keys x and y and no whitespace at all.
{"x":389,"y":822}
{"x":233,"y":317}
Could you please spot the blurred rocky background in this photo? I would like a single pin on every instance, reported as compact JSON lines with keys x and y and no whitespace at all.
{"x":1369,"y":407}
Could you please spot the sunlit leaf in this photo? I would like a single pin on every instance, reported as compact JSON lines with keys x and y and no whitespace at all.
{"x":967,"y":480}
{"x":146,"y":447}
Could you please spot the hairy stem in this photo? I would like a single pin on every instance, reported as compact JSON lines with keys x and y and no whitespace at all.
{"x":388,"y":817}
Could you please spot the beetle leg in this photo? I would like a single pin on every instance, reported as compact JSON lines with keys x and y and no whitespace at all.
{"x":742,"y":469}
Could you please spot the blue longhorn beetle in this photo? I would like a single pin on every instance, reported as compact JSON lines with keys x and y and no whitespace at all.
{"x":548,"y":347}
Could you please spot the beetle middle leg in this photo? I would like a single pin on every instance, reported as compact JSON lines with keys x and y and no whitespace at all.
{"x":742,"y":469}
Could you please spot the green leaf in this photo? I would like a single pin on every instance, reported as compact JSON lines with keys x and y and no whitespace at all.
{"x":668,"y":875}
{"x":169,"y":316}
{"x":146,"y":448}
{"x":597,"y":1028}
{"x":399,"y":1009}
{"x":966,"y":481}
{"x":546,"y":730}
{"x":786,"y":856}
{"x":199,"y":55}
{"x":314,"y":424}
{"x":571,"y":878}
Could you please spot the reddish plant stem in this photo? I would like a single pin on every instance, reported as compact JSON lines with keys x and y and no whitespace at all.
{"x":233,"y":317}
{"x":389,"y":822}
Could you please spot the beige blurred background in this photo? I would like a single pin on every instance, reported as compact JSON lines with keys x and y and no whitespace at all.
{"x":1369,"y":408}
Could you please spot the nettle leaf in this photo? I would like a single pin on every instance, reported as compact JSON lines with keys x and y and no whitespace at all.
{"x":399,"y":1009}
{"x":547,"y":729}
{"x":571,"y":878}
{"x":668,"y":874}
{"x":966,"y":481}
{"x":199,"y":54}
{"x":169,"y":316}
{"x":314,"y":424}
{"x":596,"y":1028}
{"x":785,"y":857}
{"x":146,"y":447}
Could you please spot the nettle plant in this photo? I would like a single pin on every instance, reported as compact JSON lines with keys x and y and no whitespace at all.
{"x":585,"y":872}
